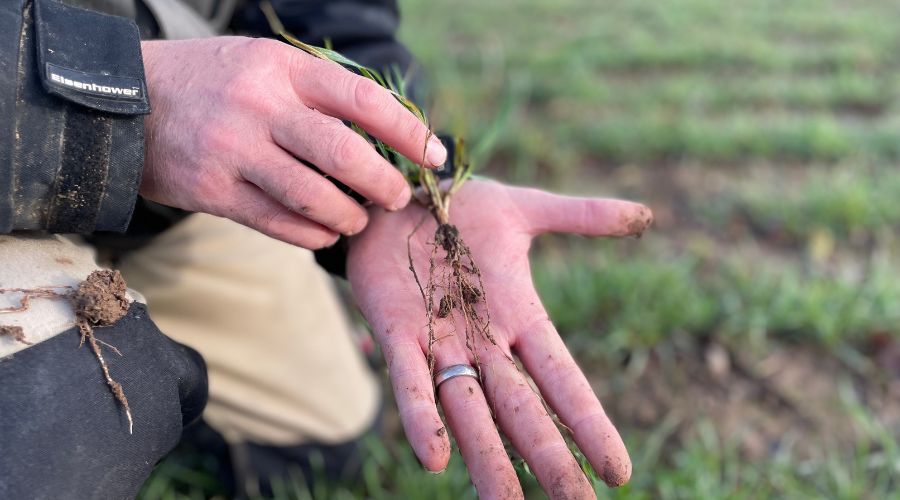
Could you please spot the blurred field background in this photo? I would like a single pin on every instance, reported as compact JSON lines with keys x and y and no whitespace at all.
{"x":748,"y":345}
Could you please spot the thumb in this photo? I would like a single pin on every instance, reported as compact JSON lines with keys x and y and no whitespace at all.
{"x":551,"y":213}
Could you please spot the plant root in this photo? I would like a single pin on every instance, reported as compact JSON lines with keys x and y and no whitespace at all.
{"x":16,"y":332}
{"x":100,"y":300}
{"x":42,"y":292}
{"x":463,"y":288}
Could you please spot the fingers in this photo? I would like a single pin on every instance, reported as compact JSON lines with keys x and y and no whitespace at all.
{"x":568,"y":392}
{"x":414,"y":393}
{"x":307,"y":193}
{"x":337,"y":92}
{"x":548,"y":212}
{"x":473,"y":427}
{"x":342,"y":153}
{"x":534,"y":434}
{"x":254,"y":208}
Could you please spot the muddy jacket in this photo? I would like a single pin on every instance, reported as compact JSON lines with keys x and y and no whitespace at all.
{"x":73,"y":94}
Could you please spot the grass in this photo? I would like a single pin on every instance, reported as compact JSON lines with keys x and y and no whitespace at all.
{"x":766,"y":137}
{"x":636,"y":81}
{"x":852,"y":203}
{"x":638,"y":298}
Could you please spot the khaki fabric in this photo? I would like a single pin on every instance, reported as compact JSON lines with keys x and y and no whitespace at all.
{"x":178,"y":21}
{"x":34,"y":260}
{"x":283,"y":367}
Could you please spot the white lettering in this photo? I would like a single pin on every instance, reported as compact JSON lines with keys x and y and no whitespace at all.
{"x":93,"y":87}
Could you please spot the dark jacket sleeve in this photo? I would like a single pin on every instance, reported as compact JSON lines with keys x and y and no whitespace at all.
{"x":363,"y":30}
{"x":72,"y":96}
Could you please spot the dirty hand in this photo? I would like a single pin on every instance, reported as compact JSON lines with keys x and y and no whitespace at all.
{"x":498,"y":223}
{"x":232,"y":115}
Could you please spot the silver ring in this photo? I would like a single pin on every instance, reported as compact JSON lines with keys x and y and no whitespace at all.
{"x":454,"y":371}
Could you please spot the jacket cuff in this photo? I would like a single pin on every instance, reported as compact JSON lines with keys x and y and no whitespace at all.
{"x":78,"y":100}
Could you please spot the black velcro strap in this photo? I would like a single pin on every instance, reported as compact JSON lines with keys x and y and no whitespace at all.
{"x":78,"y":192}
{"x":90,"y":58}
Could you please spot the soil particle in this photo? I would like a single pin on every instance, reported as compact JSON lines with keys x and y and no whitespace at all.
{"x":718,"y":361}
{"x":447,"y":237}
{"x":448,"y":303}
{"x":471,"y":294}
{"x":441,"y":432}
{"x":16,"y":332}
{"x":101,"y":299}
{"x":471,"y":391}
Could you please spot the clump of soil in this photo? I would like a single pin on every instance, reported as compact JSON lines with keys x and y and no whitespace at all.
{"x":100,"y":300}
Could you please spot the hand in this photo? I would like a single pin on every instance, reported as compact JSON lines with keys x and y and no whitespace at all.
{"x":231,"y":115}
{"x":498,"y":223}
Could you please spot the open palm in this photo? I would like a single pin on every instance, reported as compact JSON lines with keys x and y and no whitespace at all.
{"x":498,"y":223}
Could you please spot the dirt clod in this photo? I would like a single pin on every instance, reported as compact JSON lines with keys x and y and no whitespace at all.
{"x":441,"y":432}
{"x":448,"y":303}
{"x":470,"y":293}
{"x":447,"y":237}
{"x":101,"y":299}
{"x":16,"y":332}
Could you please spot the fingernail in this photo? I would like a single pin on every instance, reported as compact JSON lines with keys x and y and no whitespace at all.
{"x":358,"y":228}
{"x":401,"y":200}
{"x":436,"y":153}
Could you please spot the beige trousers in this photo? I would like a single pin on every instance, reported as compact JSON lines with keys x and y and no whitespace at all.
{"x":283,"y":365}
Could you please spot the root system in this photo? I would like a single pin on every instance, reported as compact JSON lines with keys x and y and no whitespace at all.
{"x":459,"y":277}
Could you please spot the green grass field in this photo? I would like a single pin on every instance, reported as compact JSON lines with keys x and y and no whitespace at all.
{"x":749,"y":345}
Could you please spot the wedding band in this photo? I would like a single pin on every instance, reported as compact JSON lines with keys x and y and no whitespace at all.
{"x":454,"y":371}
